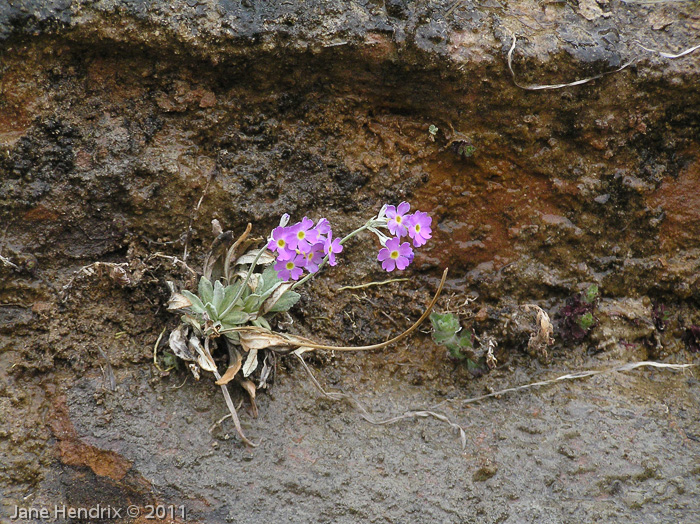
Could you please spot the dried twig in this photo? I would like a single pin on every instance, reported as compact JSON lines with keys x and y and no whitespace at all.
{"x":7,"y":262}
{"x":670,"y":55}
{"x":569,"y":376}
{"x":365,"y":414}
{"x":304,"y":345}
{"x":537,"y":87}
{"x":370,"y":284}
{"x":194,"y":215}
{"x":155,"y":351}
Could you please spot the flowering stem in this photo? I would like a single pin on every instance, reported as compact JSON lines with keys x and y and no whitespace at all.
{"x":325,"y":259}
{"x":245,"y":282}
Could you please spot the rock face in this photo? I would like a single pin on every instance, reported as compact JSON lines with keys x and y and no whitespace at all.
{"x":117,"y":117}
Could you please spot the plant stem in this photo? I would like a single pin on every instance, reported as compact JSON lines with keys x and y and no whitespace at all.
{"x":245,"y":282}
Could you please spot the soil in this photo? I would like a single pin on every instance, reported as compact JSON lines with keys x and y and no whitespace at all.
{"x":118,"y":118}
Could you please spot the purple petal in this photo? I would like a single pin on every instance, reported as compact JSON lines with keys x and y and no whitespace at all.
{"x":404,"y":207}
{"x":389,"y":264}
{"x":405,"y":249}
{"x":323,"y":226}
{"x":402,"y":262}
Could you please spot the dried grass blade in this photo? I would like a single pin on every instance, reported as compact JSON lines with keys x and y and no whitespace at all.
{"x":537,"y":87}
{"x":231,"y":253}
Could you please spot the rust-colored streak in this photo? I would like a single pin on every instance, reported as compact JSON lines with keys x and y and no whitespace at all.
{"x":74,"y":452}
{"x":478,"y":205}
{"x":680,"y":200}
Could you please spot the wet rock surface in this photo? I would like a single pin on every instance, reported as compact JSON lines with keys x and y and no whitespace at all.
{"x":117,"y":117}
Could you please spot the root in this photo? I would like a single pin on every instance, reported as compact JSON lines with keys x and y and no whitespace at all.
{"x":569,"y":376}
{"x":365,"y":414}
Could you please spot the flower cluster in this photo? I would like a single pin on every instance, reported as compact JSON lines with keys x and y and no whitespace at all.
{"x":303,"y":246}
{"x":308,"y":246}
{"x":395,"y":254}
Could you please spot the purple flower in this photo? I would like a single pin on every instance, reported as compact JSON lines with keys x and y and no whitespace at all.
{"x":280,"y":243}
{"x":331,"y":247}
{"x":397,"y":218}
{"x":292,"y":268}
{"x":303,"y":235}
{"x":419,"y":227}
{"x":323,"y":226}
{"x":395,"y":255}
{"x":314,"y":257}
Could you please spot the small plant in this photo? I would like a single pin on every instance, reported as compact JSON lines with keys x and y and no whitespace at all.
{"x":446,"y":330}
{"x":242,"y":291}
{"x":433,"y":131}
{"x":463,"y":149}
{"x":577,"y":314}
{"x":660,"y":316}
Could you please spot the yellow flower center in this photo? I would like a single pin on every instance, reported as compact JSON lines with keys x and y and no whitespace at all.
{"x":301,"y":235}
{"x":398,"y":219}
{"x":417,"y":227}
{"x":394,"y":255}
{"x":281,"y":242}
{"x":290,"y":265}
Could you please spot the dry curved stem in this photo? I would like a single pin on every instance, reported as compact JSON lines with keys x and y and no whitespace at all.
{"x":155,"y":354}
{"x":229,"y":402}
{"x":175,"y":261}
{"x":537,"y":87}
{"x":365,"y":414}
{"x":280,"y":340}
{"x":231,"y":253}
{"x":629,"y":366}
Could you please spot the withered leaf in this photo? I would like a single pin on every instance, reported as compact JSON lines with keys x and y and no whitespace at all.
{"x":251,"y":362}
{"x":178,"y":343}
{"x":276,"y":295}
{"x":249,"y":257}
{"x":233,"y":368}
{"x":178,"y":301}
{"x":204,"y":359}
{"x":259,"y":338}
{"x":249,"y":386}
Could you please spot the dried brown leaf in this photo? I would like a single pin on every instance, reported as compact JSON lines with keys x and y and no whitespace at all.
{"x":249,"y":257}
{"x":274,"y":298}
{"x":249,"y":386}
{"x":251,"y":362}
{"x":204,"y":358}
{"x":178,"y":301}
{"x":255,"y":338}
{"x":178,"y":343}
{"x":233,"y":368}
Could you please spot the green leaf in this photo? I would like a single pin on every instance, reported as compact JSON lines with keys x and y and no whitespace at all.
{"x":445,"y":327}
{"x":586,"y":321}
{"x":230,"y":293}
{"x":197,"y":306}
{"x":286,"y":301}
{"x":206,"y":290}
{"x":218,"y":296}
{"x":233,"y":337}
{"x":270,"y":281}
{"x":263,"y":323}
{"x":591,"y":294}
{"x":213,"y":314}
{"x":252,"y":303}
{"x":234,"y":318}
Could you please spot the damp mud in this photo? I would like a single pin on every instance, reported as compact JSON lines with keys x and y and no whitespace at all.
{"x":127,"y":127}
